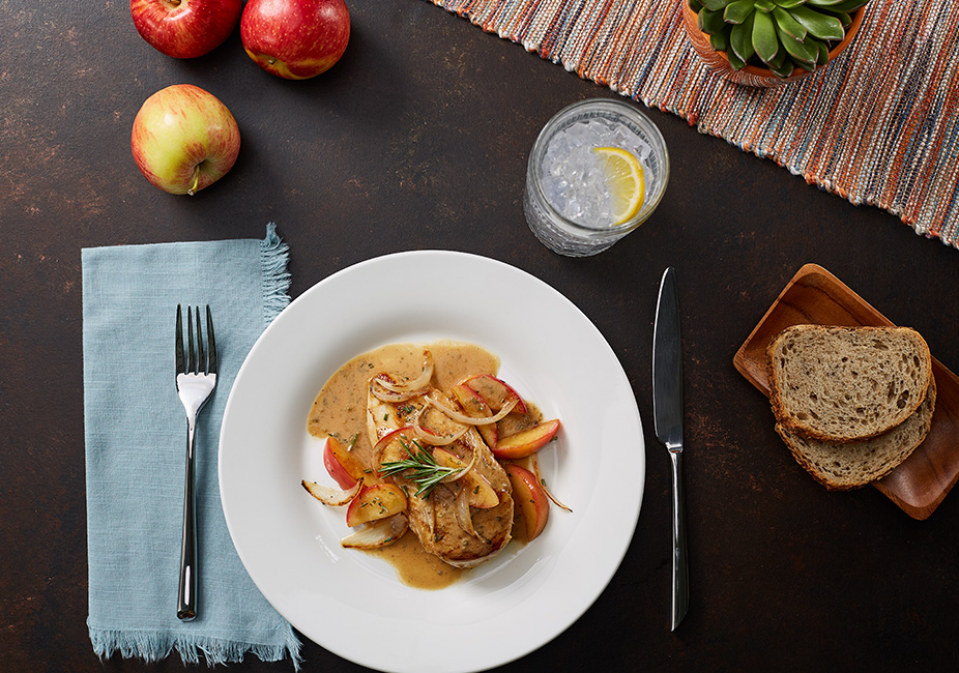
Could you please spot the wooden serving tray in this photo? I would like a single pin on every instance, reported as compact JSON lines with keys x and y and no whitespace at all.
{"x":815,"y":296}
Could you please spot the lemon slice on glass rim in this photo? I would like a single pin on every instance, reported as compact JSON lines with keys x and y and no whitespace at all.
{"x":625,"y":181}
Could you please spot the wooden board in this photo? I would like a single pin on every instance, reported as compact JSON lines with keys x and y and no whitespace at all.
{"x":815,"y":296}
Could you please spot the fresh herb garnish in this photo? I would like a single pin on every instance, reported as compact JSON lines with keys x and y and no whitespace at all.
{"x":424,"y":471}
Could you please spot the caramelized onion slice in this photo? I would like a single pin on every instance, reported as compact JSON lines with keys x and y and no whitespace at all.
{"x":534,"y":464}
{"x":377,"y":534}
{"x":452,"y":414}
{"x":418,"y":383}
{"x":463,"y":518}
{"x":427,"y":437}
{"x":332,"y":496}
{"x":391,"y":397}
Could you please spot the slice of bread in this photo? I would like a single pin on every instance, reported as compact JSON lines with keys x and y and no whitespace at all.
{"x":842,"y":467}
{"x":844,"y":384}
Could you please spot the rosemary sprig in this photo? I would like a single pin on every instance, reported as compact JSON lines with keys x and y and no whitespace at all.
{"x":424,"y":471}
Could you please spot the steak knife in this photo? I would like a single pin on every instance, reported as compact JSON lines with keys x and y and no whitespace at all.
{"x":668,"y":415}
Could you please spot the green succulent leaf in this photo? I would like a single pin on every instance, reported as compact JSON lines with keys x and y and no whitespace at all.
{"x":784,"y":69}
{"x":823,"y":57}
{"x":799,"y":51}
{"x":736,"y":12}
{"x":844,"y":18}
{"x":787,"y":23}
{"x":847,"y":6}
{"x":695,"y":5}
{"x":825,"y":3}
{"x":766,"y":6}
{"x":736,"y":62}
{"x":720,"y":41}
{"x":715,"y":5}
{"x":741,"y":39}
{"x":789,"y":4}
{"x":780,"y":58}
{"x":823,"y":26}
{"x":808,"y":67}
{"x":765,"y":41}
{"x":711,"y":22}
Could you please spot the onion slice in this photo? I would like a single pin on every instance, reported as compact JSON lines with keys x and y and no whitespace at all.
{"x":391,"y":397}
{"x":474,"y":420}
{"x":463,"y":517}
{"x":428,"y":436}
{"x":332,"y":496}
{"x":377,"y":534}
{"x":418,"y":383}
{"x":534,"y":463}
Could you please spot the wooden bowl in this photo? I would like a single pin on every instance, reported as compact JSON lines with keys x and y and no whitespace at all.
{"x":752,"y":75}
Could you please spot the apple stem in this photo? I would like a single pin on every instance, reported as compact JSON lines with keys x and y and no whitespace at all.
{"x":196,"y":181}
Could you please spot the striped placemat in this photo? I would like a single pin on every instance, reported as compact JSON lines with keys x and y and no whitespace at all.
{"x":880,"y":126}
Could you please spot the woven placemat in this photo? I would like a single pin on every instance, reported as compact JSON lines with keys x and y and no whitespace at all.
{"x":879,"y":126}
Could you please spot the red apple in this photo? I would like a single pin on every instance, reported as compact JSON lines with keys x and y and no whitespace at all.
{"x":526,"y":442}
{"x":496,"y":392}
{"x":295,"y":39}
{"x":375,"y":502}
{"x":340,"y":463}
{"x":185,"y":28}
{"x":531,"y":498}
{"x":184,"y":139}
{"x":475,"y":406}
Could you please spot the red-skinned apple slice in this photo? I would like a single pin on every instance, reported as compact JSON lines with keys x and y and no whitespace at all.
{"x":496,"y":392}
{"x":475,"y":406}
{"x":479,"y":493}
{"x":531,"y":499}
{"x":375,"y":502}
{"x":526,"y":442}
{"x":393,"y":446}
{"x":342,"y":465}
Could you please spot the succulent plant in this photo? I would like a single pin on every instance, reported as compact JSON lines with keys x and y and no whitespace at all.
{"x":781,"y":35}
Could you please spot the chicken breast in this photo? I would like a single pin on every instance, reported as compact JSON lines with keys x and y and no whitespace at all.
{"x":440,"y":520}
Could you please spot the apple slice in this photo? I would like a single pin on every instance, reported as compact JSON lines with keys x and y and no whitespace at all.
{"x":479,"y":492}
{"x":533,"y":502}
{"x":526,"y":442}
{"x":342,"y":465}
{"x":375,"y":502}
{"x":496,"y":392}
{"x":393,"y":446}
{"x":475,"y":406}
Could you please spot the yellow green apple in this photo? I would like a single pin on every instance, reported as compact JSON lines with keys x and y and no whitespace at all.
{"x":184,"y":139}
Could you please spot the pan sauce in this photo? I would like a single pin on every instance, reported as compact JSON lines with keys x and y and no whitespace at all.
{"x":340,"y":410}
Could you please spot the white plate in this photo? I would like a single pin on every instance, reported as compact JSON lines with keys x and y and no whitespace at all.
{"x":353,"y":604}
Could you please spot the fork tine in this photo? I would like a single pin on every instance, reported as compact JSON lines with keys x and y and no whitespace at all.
{"x":191,"y":354}
{"x":180,"y":365}
{"x":201,"y":356}
{"x":211,"y":346}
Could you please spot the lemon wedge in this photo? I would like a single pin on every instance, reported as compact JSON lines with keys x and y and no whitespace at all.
{"x":625,"y":181}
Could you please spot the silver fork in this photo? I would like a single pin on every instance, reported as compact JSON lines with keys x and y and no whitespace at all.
{"x":195,"y":381}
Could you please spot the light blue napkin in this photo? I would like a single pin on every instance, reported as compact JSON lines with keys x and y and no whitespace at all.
{"x":135,"y":430}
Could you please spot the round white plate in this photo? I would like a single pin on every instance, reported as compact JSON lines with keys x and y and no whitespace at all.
{"x":353,"y":604}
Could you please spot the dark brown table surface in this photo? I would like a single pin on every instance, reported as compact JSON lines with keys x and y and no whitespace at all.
{"x":418,"y":139}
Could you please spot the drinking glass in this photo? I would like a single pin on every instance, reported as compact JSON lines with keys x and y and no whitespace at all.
{"x":561,"y":224}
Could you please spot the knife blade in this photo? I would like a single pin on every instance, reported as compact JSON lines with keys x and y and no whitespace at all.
{"x":668,"y":418}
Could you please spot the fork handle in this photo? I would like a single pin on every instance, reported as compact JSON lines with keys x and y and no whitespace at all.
{"x":186,"y":599}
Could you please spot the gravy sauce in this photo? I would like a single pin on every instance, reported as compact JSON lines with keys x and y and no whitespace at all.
{"x":340,"y":411}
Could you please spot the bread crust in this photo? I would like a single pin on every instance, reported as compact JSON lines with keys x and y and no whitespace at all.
{"x":788,"y":420}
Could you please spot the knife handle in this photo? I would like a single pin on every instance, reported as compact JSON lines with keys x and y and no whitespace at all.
{"x":680,"y":567}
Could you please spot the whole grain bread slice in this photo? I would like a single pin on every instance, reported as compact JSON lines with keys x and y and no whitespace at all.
{"x":842,"y":467}
{"x":844,"y":384}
